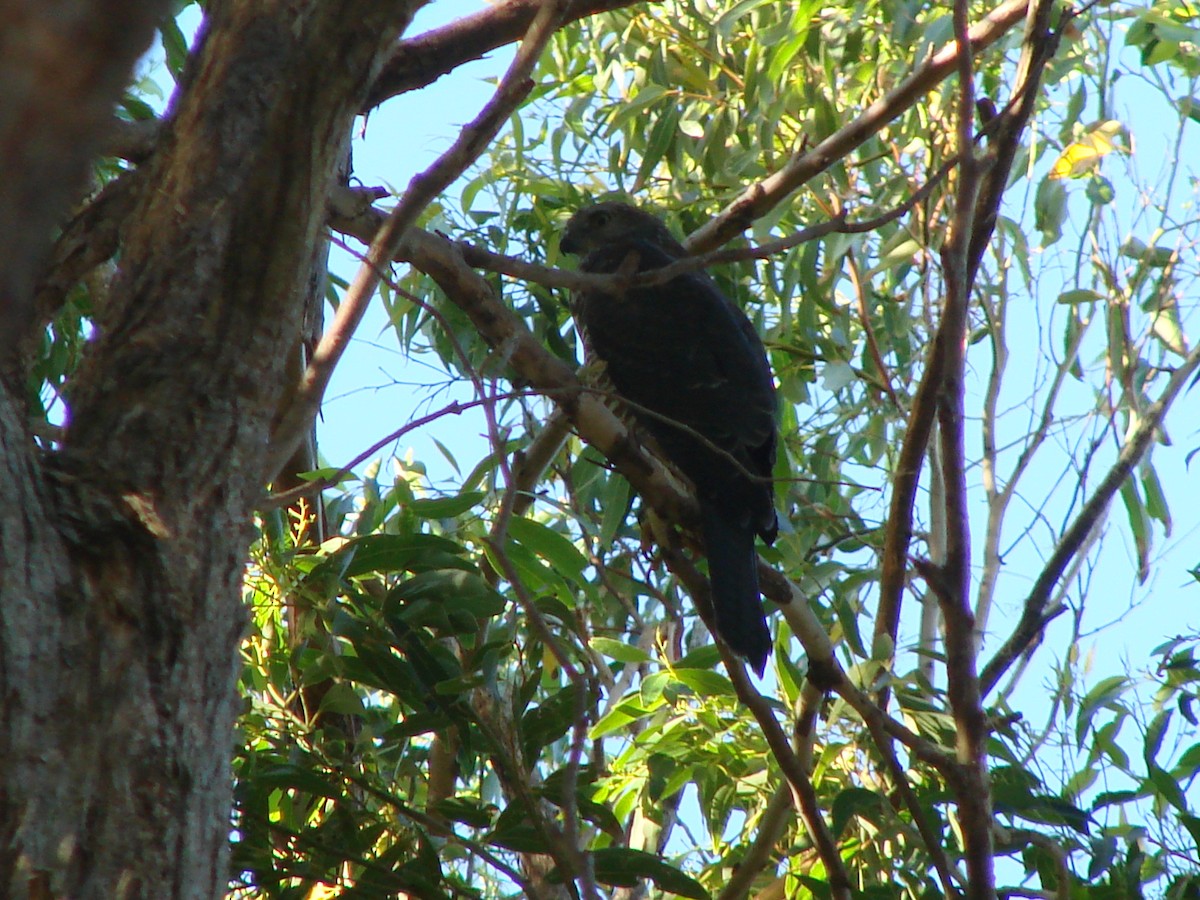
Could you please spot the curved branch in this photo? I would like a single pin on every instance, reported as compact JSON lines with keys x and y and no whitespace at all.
{"x":420,"y":61}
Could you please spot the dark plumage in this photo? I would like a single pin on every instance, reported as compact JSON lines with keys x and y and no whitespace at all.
{"x":682,"y":350}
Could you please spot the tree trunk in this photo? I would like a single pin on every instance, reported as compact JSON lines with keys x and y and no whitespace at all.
{"x":122,"y":551}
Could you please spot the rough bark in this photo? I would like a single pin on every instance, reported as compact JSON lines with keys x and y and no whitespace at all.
{"x":122,"y":551}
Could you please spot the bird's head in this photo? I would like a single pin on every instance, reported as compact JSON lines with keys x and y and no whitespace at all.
{"x":612,"y":222}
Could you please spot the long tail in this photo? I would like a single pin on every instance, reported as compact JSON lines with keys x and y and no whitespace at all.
{"x":733,"y":570}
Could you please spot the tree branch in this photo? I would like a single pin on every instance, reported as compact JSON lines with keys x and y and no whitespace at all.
{"x":1033,"y":618}
{"x":422,"y":60}
{"x":759,"y":198}
{"x":422,"y":190}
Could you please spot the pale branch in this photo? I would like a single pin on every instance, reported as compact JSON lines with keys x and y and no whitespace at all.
{"x":935,"y":540}
{"x":1033,"y":616}
{"x":471,"y":142}
{"x":421,"y":60}
{"x":999,"y":499}
{"x":759,"y":198}
{"x":1004,"y":134}
{"x":1038,"y":47}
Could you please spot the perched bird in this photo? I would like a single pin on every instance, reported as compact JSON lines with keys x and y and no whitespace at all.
{"x":696,"y":377}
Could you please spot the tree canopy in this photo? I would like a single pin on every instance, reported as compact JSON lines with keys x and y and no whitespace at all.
{"x":966,"y":236}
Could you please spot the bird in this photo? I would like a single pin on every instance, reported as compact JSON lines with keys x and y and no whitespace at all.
{"x":696,"y":377}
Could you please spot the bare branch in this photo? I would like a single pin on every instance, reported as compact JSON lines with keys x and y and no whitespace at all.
{"x":952,"y":583}
{"x":422,"y":60}
{"x":1033,"y":618}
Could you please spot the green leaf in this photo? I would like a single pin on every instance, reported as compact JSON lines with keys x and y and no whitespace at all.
{"x":1050,"y":210}
{"x":1156,"y":498}
{"x":394,"y":553}
{"x":294,"y":777}
{"x":448,"y":599}
{"x":617,"y":493}
{"x":1155,"y":257}
{"x":174,"y":46}
{"x":1168,"y":788}
{"x":622,"y":867}
{"x":1081,"y":295}
{"x":551,"y":546}
{"x":546,"y":723}
{"x":514,"y":831}
{"x":853,"y":802}
{"x":1104,"y":694}
{"x":445,"y":507}
{"x":1139,"y":525}
{"x":706,"y":683}
{"x":622,"y":715}
{"x":662,"y":136}
{"x":619,"y":650}
{"x":1192,"y":824}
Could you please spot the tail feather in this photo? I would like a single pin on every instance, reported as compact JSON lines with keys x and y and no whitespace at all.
{"x":733,"y":571}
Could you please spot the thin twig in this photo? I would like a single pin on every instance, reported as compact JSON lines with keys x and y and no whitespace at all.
{"x":286,"y":498}
{"x":864,"y":318}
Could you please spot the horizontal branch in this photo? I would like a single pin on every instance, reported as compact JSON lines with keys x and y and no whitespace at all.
{"x":422,"y":60}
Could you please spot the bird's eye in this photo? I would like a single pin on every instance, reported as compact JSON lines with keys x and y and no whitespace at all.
{"x":600,"y":218}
